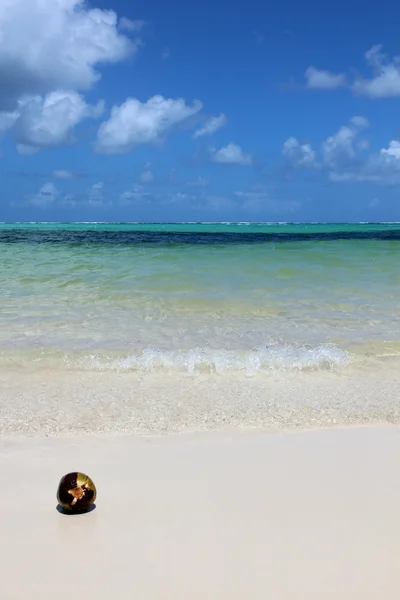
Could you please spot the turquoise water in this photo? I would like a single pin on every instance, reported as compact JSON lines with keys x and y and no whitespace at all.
{"x":187,"y":297}
{"x":244,"y":227}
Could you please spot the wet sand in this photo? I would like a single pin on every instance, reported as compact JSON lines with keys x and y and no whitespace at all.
{"x":35,"y":401}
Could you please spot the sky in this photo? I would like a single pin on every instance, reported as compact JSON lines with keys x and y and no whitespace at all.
{"x":119,"y":110}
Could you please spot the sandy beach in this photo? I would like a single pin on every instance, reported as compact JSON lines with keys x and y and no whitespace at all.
{"x":232,"y":390}
{"x":290,"y":516}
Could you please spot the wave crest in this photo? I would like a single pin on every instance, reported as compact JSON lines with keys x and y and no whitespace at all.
{"x":277,"y":357}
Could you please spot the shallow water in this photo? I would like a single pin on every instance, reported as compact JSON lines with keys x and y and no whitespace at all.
{"x":166,"y":328}
{"x":217,"y":297}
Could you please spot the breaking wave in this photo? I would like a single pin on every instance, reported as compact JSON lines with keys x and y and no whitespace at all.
{"x":263,"y":359}
{"x":259,"y":360}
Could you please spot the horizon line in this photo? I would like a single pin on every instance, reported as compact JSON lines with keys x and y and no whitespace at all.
{"x":199,"y":222}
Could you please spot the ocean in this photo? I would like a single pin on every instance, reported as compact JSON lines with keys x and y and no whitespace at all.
{"x":229,"y":301}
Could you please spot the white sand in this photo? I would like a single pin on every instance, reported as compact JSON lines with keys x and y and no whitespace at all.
{"x":301,"y":516}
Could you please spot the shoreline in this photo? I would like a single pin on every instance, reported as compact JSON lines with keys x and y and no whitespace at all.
{"x":234,"y":515}
{"x":52,"y":403}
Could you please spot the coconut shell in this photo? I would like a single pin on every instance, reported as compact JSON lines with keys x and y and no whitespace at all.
{"x":76,"y":492}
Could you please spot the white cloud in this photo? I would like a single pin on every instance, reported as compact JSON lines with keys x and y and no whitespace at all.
{"x":384,"y":83}
{"x":134,"y":122}
{"x":300,"y":155}
{"x":50,"y":120}
{"x":231,"y":155}
{"x":62,"y":174}
{"x":96,"y":195}
{"x":373,"y":170}
{"x":340,"y":145}
{"x":335,"y":148}
{"x":392,"y":152}
{"x":324,"y":80}
{"x":211,"y":126}
{"x":146,"y":176}
{"x":49,"y":195}
{"x":343,"y":157}
{"x":51,"y":44}
{"x":381,"y":168}
{"x":386,"y":80}
{"x":45,"y":197}
{"x":135,"y":195}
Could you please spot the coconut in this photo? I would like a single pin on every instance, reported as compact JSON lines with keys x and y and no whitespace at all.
{"x":76,"y":492}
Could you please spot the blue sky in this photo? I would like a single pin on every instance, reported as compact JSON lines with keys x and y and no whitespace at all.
{"x":131,"y":111}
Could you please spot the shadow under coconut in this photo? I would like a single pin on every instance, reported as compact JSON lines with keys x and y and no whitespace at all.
{"x":71,"y":513}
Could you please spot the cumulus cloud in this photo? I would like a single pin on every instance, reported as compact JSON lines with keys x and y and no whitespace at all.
{"x":50,"y":120}
{"x":50,"y":50}
{"x":45,"y":197}
{"x":335,"y":149}
{"x":392,"y":152}
{"x":211,"y":126}
{"x":343,"y":157}
{"x":384,"y":83}
{"x":339,"y":146}
{"x":47,"y":45}
{"x":386,"y":80}
{"x":135,"y":195}
{"x":324,"y":80}
{"x":231,"y":155}
{"x":300,"y":155}
{"x":378,"y":168}
{"x":49,"y":196}
{"x":134,"y":123}
{"x":96,"y":195}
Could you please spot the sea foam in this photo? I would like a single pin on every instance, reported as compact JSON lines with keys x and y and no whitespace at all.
{"x":264,"y":359}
